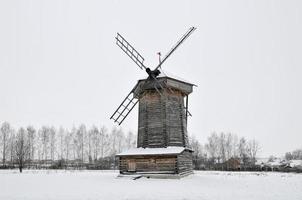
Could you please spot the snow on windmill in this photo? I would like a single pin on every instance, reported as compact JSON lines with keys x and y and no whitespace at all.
{"x":162,"y":143}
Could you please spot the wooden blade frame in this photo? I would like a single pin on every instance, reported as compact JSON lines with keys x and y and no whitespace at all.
{"x":130,"y":102}
{"x":180,"y":41}
{"x":124,"y":108}
{"x":130,"y":51}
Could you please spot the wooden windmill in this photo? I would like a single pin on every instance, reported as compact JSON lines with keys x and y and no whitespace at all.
{"x":162,"y":143}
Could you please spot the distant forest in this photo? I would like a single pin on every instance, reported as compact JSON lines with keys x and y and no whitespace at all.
{"x":95,"y":148}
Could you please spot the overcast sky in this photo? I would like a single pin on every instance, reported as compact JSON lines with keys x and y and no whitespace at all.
{"x":59,"y":64}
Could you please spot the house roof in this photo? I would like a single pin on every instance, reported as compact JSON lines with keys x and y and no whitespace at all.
{"x":152,"y":151}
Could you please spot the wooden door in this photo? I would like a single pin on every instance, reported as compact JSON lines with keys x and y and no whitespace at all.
{"x":131,"y":165}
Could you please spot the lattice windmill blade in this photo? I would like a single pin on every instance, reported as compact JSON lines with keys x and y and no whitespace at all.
{"x":124,"y":108}
{"x":130,"y":51}
{"x":130,"y":102}
{"x":180,"y":41}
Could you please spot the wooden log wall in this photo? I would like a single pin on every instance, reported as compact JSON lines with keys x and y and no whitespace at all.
{"x":162,"y":120}
{"x":184,"y":162}
{"x":165,"y":164}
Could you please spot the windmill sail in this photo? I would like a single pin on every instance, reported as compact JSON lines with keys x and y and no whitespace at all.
{"x":124,"y":108}
{"x":181,"y":40}
{"x":130,"y":51}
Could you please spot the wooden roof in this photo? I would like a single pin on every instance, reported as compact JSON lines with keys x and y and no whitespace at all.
{"x":171,"y":150}
{"x":166,"y":81}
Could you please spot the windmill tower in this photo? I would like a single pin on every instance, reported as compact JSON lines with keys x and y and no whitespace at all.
{"x":162,"y":143}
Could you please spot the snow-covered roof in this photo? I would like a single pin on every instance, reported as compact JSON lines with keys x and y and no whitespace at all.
{"x":170,"y":75}
{"x":295,"y":163}
{"x":275,"y":163}
{"x":260,"y":161}
{"x":152,"y":151}
{"x":164,"y":74}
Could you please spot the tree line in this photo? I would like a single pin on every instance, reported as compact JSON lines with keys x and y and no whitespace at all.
{"x":52,"y":147}
{"x":294,"y":155}
{"x":96,"y":147}
{"x":225,"y":151}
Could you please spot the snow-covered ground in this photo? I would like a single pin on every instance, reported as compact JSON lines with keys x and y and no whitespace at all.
{"x":104,"y":185}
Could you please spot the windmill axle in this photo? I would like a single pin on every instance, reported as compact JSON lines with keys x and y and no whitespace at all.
{"x":152,"y":73}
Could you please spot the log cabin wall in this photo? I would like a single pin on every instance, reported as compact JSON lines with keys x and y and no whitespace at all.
{"x":184,"y":162}
{"x":149,"y":164}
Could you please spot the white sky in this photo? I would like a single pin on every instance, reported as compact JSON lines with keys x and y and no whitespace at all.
{"x":59,"y":64}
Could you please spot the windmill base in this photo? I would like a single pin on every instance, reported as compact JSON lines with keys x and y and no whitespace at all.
{"x":171,"y":162}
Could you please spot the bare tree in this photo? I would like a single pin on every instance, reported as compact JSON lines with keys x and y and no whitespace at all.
{"x":105,"y":144}
{"x":92,"y":140}
{"x":234,"y":145}
{"x":31,"y":133}
{"x":21,"y":148}
{"x":5,"y":131}
{"x":212,"y":147}
{"x":228,"y":146}
{"x":113,"y":141}
{"x":11,"y":146}
{"x":118,"y":140}
{"x":94,"y":143}
{"x":198,"y":152}
{"x":102,"y":144}
{"x":288,"y":156}
{"x":75,"y":154}
{"x":79,"y":141}
{"x":61,"y":145}
{"x":52,"y":139}
{"x":252,"y":150}
{"x":130,"y":140}
{"x":68,"y":144}
{"x":242,"y":149}
{"x":44,"y":137}
{"x":297,"y":154}
{"x":222,"y":147}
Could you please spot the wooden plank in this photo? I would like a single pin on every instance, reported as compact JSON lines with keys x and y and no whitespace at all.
{"x":161,"y":121}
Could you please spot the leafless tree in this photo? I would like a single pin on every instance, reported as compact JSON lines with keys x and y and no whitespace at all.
{"x":228,"y":145}
{"x":11,"y":146}
{"x":21,"y":148}
{"x":121,"y":141}
{"x":198,"y":152}
{"x":5,"y":132}
{"x":104,"y":141}
{"x":61,"y":134}
{"x":242,"y":149}
{"x":52,"y":140}
{"x":94,"y":143}
{"x":297,"y":154}
{"x":212,"y":147}
{"x":31,"y":133}
{"x":252,"y":150}
{"x":79,"y":140}
{"x":68,"y":144}
{"x":44,"y":137}
{"x":130,"y":140}
{"x":92,"y":140}
{"x":222,"y":147}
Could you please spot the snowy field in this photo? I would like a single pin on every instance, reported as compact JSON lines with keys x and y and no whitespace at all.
{"x":101,"y":185}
